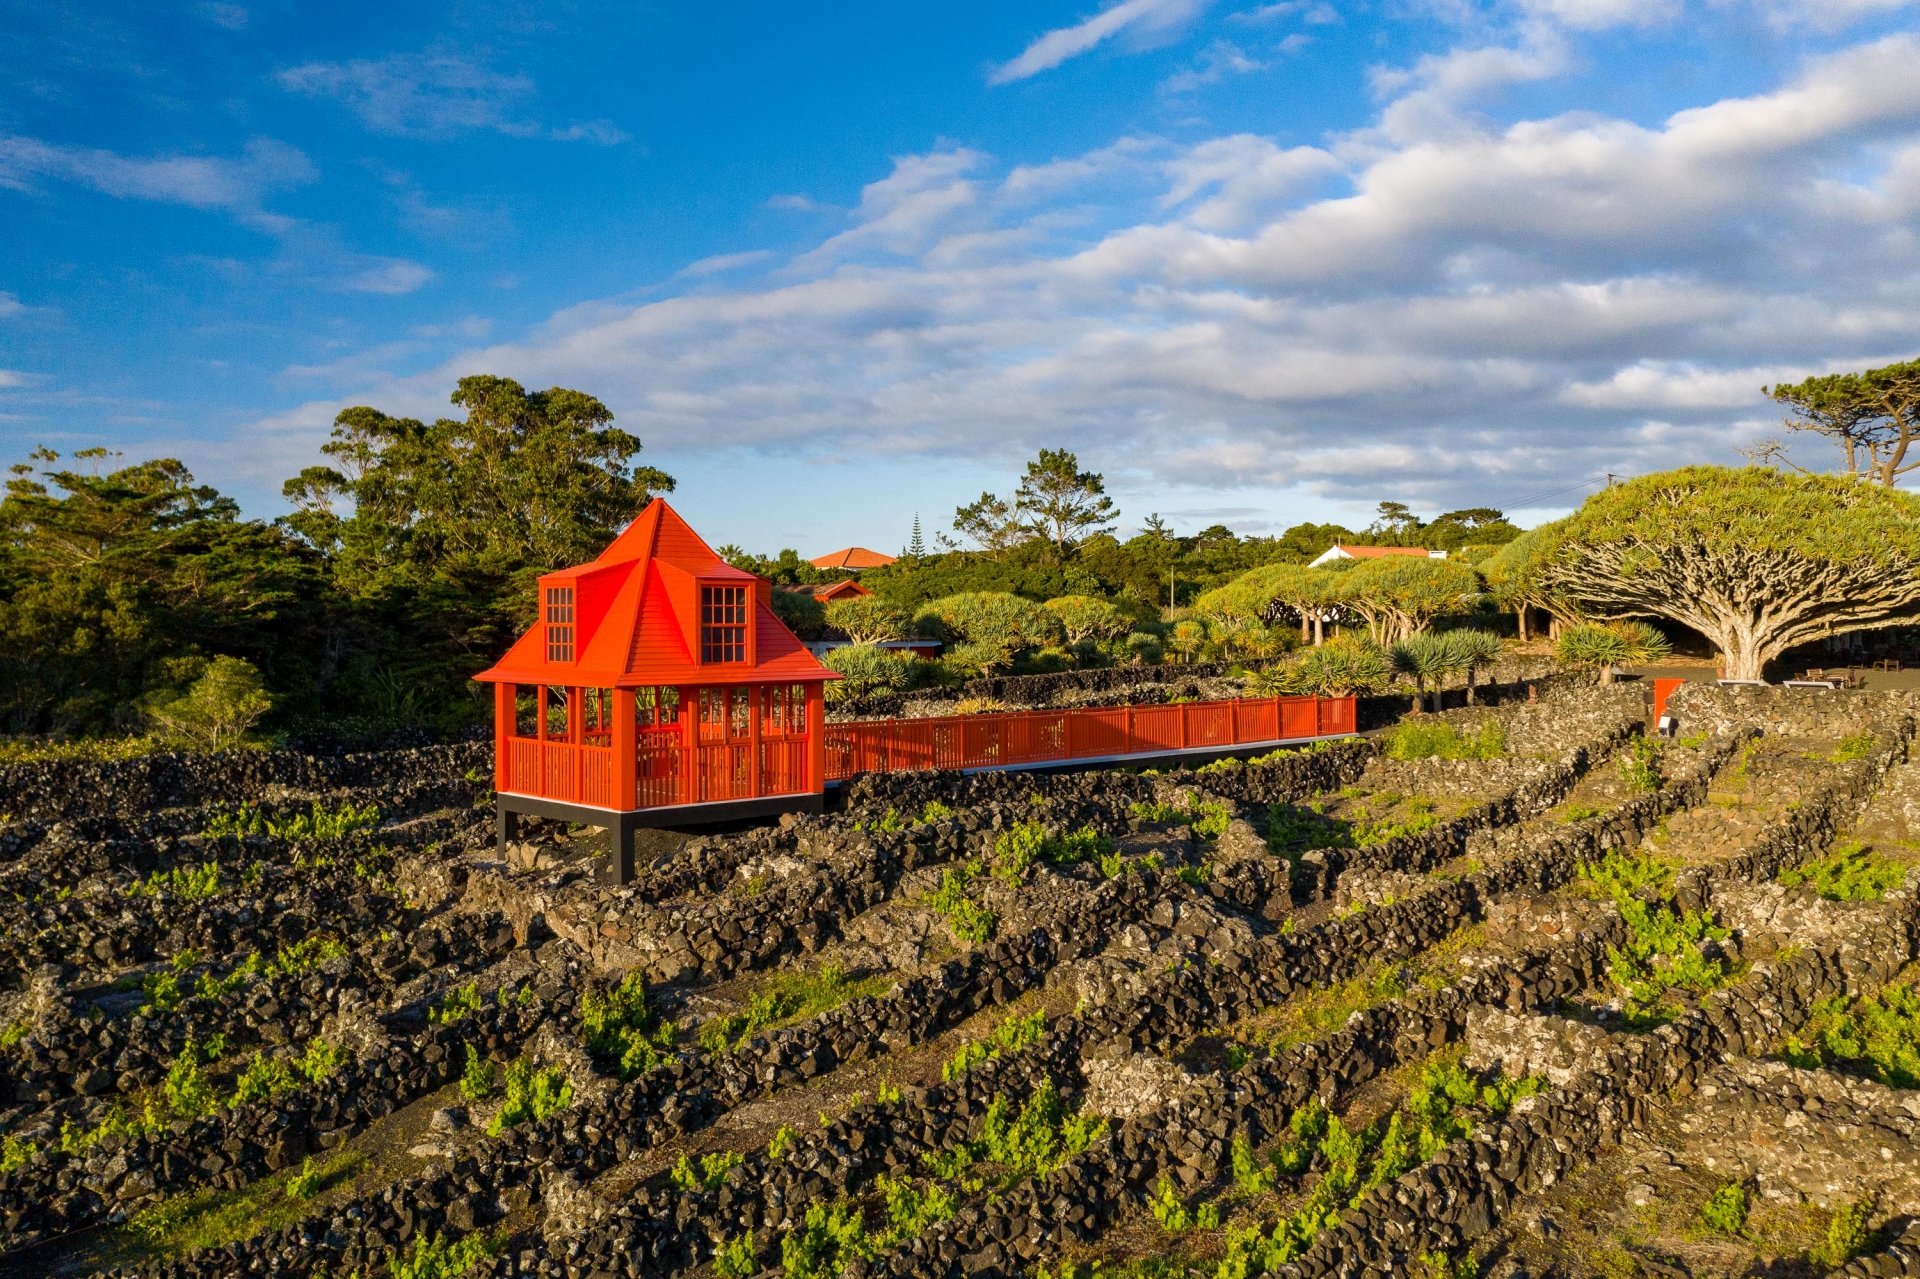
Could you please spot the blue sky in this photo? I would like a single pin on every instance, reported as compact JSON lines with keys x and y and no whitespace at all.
{"x":839,"y":264}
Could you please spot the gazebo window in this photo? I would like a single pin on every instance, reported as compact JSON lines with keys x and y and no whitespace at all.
{"x":656,"y":707}
{"x":559,"y":623}
{"x":723,"y":624}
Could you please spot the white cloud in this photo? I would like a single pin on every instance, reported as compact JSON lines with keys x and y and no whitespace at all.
{"x":435,"y":94}
{"x":721,"y":263}
{"x":1600,"y":15}
{"x":1221,"y":59}
{"x":1457,"y":317}
{"x":1142,"y":19}
{"x":237,"y":184}
{"x":11,"y":378}
{"x":11,"y":307}
{"x":391,"y":277}
{"x":792,"y":203}
{"x":1822,"y":15}
{"x":230,"y":16}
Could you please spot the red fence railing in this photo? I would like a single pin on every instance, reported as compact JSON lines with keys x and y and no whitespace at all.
{"x":584,"y":774}
{"x":1040,"y":737}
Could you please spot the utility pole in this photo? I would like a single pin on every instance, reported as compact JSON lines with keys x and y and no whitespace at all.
{"x":1170,"y":604}
{"x":1609,"y":479}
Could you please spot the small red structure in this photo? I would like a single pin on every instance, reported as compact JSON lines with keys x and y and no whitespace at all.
{"x":657,"y":688}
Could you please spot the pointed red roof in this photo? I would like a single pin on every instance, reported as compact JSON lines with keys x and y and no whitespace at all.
{"x":637,"y":617}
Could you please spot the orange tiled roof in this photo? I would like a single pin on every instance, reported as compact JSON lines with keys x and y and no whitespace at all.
{"x":855,"y":557}
{"x":1370,"y":552}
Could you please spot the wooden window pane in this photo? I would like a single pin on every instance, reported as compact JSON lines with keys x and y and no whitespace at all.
{"x":559,"y":623}
{"x":723,"y":624}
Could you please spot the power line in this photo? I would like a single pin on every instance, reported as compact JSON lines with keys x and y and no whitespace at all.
{"x":1525,"y":502}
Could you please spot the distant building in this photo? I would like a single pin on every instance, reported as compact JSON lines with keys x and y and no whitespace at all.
{"x":853,"y":558}
{"x":1339,"y":552}
{"x":828,"y":592}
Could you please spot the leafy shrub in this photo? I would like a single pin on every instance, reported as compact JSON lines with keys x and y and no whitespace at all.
{"x":969,"y":920}
{"x":458,"y":1003}
{"x":712,"y":1171}
{"x":1850,"y":873}
{"x":531,"y":1095}
{"x":867,"y":670}
{"x":737,"y":1258}
{"x":306,"y":1183}
{"x":434,"y":1258}
{"x":1011,"y":1035}
{"x":1601,"y":647}
{"x":1725,"y":1211}
{"x":218,"y":710}
{"x":1437,"y":739}
{"x":831,"y":1237}
{"x":618,"y":1028}
{"x":1341,"y":667}
{"x":783,"y":1141}
{"x":1878,"y":1037}
{"x":318,"y":822}
{"x":1640,"y":765}
{"x":476,"y":1081}
{"x":186,"y":884}
{"x":15,"y":1153}
{"x":787,"y":997}
{"x":1847,"y":1235}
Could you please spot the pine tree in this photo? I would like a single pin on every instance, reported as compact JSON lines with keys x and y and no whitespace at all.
{"x":916,"y":547}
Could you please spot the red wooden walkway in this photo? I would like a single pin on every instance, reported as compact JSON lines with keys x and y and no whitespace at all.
{"x":1021,"y":738}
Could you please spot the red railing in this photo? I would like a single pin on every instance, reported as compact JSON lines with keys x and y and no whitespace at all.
{"x":561,"y":770}
{"x":729,"y":770}
{"x":1040,"y":737}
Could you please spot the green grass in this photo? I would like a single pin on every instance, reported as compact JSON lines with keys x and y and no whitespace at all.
{"x":1876,"y":1036}
{"x":1858,"y":746}
{"x":1424,"y":739}
{"x":215,"y":1218}
{"x":1850,"y":873}
{"x":788,"y":997}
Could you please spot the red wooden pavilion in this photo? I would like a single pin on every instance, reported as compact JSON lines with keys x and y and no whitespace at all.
{"x":657,"y":688}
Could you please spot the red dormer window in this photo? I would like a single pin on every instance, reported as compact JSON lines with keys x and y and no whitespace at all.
{"x":723,"y":624}
{"x":559,"y":623}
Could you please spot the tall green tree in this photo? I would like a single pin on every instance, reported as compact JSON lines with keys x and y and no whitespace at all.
{"x":451,"y":521}
{"x":1755,"y":559}
{"x":117,"y":586}
{"x":1063,"y":503}
{"x":1873,"y":418}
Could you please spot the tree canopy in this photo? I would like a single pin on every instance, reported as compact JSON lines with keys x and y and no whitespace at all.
{"x":1756,"y":559}
{"x":114,"y":585}
{"x":1873,"y":417}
